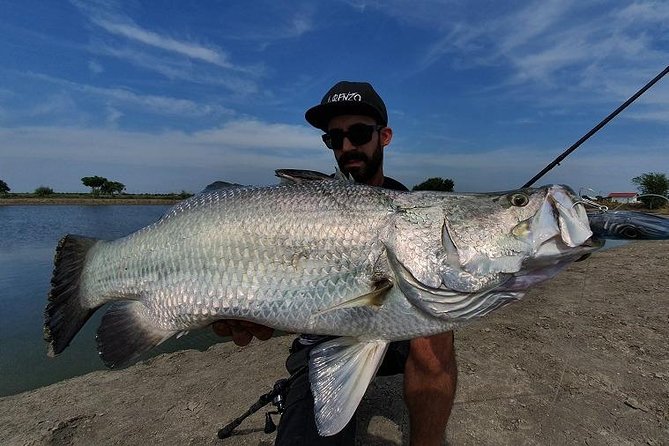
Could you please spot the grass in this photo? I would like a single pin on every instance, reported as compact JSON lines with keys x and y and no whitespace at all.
{"x":87,"y":198}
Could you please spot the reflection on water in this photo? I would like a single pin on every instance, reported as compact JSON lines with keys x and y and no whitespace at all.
{"x":28,"y":237}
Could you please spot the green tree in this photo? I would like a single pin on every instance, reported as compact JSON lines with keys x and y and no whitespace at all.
{"x":43,"y":191}
{"x":436,"y":183}
{"x":95,"y":183}
{"x":652,"y":183}
{"x":112,"y":187}
{"x":4,"y":188}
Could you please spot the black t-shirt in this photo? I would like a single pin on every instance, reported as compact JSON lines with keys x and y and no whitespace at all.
{"x":389,"y":183}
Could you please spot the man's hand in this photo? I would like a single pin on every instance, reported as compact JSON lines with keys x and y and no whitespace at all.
{"x":241,"y":331}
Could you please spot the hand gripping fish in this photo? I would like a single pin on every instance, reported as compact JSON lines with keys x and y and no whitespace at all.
{"x":368,"y":265}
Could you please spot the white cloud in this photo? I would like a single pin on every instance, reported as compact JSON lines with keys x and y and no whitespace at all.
{"x":162,"y":105}
{"x":95,"y":67}
{"x":557,"y":43}
{"x":156,"y":104}
{"x":254,"y":133}
{"x":535,"y":20}
{"x":113,"y":115}
{"x":300,"y":24}
{"x":644,"y":12}
{"x":178,"y":69}
{"x":188,"y":49}
{"x":54,"y":104}
{"x":658,"y":114}
{"x":245,"y":151}
{"x":279,"y":22}
{"x":160,"y":52}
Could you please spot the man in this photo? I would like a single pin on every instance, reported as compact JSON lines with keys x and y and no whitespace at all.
{"x":355,"y":122}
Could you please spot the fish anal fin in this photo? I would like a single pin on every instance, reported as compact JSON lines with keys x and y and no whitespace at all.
{"x":126,"y":332}
{"x":340,"y":371}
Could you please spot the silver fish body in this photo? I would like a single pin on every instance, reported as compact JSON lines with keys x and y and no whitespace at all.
{"x":326,"y":257}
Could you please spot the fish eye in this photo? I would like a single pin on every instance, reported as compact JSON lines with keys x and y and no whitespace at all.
{"x":519,"y":200}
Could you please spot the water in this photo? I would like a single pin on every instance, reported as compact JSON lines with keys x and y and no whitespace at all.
{"x":28,"y":236}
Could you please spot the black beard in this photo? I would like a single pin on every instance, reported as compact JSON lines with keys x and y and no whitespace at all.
{"x":367,"y":170}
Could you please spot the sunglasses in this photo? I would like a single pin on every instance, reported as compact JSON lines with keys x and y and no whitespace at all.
{"x":357,"y":134}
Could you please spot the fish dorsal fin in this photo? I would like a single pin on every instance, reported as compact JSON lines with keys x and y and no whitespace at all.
{"x":341,"y":176}
{"x":340,"y":371}
{"x":299,"y":176}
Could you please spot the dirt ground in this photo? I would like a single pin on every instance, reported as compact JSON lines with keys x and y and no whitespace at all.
{"x":583,"y":360}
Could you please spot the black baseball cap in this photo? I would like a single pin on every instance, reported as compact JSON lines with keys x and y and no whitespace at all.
{"x":348,"y":98}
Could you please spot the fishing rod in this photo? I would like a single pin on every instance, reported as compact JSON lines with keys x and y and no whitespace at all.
{"x":596,"y":128}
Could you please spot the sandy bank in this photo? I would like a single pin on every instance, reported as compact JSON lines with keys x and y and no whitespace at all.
{"x":583,"y":359}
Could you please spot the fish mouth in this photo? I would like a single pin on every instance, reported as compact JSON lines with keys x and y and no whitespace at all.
{"x":559,"y":217}
{"x":559,"y":234}
{"x":571,"y":216}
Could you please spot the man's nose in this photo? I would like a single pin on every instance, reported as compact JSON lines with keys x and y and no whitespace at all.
{"x":346,"y":145}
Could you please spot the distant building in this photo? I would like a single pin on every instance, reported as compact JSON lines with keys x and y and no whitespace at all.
{"x":624,"y":197}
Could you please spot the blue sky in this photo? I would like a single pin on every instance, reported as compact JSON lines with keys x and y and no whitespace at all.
{"x":166,"y":96}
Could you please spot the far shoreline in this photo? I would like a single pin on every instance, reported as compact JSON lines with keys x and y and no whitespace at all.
{"x":30,"y":201}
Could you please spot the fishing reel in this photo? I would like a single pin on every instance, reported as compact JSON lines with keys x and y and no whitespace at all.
{"x":277,"y":397}
{"x":279,"y":402}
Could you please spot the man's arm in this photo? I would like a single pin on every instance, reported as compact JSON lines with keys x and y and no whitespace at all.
{"x":241,"y":331}
{"x":430,"y":378}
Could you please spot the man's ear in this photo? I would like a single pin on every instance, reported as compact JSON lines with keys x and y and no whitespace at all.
{"x":385,"y":136}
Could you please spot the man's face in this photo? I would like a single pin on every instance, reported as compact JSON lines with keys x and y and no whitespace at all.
{"x":363,"y":162}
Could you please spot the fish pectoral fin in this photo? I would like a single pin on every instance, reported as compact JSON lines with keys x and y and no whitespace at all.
{"x":126,"y":332}
{"x":340,"y":371}
{"x":373,"y":299}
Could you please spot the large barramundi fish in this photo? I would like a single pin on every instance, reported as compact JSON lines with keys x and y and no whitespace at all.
{"x":326,"y":257}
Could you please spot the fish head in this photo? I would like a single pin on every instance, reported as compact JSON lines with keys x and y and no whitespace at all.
{"x":528,"y":233}
{"x":487,"y":240}
{"x":558,"y":220}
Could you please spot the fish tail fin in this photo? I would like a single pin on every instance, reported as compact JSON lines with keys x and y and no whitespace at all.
{"x":126,"y":332}
{"x":66,"y":312}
